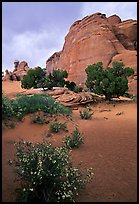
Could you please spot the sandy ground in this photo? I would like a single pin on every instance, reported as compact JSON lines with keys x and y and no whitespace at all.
{"x":110,"y":148}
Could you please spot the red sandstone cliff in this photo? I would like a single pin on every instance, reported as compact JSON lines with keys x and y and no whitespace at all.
{"x":96,"y":38}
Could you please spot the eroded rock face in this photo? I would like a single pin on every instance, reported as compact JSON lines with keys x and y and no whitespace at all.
{"x":19,"y":71}
{"x":52,"y":61}
{"x":95,"y":38}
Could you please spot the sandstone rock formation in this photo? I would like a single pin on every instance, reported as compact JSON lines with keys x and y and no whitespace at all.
{"x":19,"y":71}
{"x":96,"y":38}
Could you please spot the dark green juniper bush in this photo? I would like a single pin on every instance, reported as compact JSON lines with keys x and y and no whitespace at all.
{"x":110,"y":82}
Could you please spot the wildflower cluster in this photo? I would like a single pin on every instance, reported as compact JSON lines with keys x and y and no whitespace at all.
{"x":46,"y":173}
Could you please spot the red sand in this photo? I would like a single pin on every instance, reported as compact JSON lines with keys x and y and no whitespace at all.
{"x":110,"y":148}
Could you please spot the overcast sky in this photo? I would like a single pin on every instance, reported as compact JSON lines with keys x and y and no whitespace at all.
{"x":33,"y":31}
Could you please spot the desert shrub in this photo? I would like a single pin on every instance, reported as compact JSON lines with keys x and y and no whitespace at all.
{"x":75,"y":140}
{"x":128,"y":95}
{"x":46,"y":174}
{"x":135,"y":98}
{"x":70,"y":85}
{"x":33,"y":78}
{"x":56,"y":127}
{"x":88,"y":107}
{"x":54,"y":79}
{"x":39,"y":120}
{"x":120,"y":113}
{"x":7,"y":109}
{"x":67,"y":92}
{"x":111,"y":82}
{"x":84,"y":114}
{"x":77,"y":89}
{"x":38,"y":102}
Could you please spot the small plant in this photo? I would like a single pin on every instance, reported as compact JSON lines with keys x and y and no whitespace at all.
{"x":67,"y":92}
{"x":74,"y":141}
{"x":56,"y":127}
{"x":102,"y":110}
{"x":120,"y":113}
{"x":38,"y":119}
{"x":128,"y":95}
{"x":49,"y":134}
{"x":88,"y":108}
{"x":86,"y":115}
{"x":12,"y":125}
{"x":46,"y":173}
{"x":135,"y":98}
{"x":7,"y":109}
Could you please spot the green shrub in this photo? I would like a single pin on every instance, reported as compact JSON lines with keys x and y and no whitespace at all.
{"x":88,"y":108}
{"x":46,"y":174}
{"x":54,"y":79}
{"x":67,"y":92}
{"x":33,"y":78}
{"x":111,"y":82}
{"x":74,"y":141}
{"x":56,"y":127}
{"x":39,"y":120}
{"x":38,"y":102}
{"x":84,"y":114}
{"x":70,"y":85}
{"x":7,"y":109}
{"x":77,"y":89}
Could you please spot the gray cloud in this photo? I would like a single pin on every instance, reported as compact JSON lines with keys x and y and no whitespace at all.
{"x":33,"y":31}
{"x":125,"y":10}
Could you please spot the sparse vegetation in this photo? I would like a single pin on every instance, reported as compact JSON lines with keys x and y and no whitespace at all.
{"x":84,"y":114}
{"x":56,"y":127}
{"x":88,"y":107}
{"x":67,"y":92}
{"x":75,"y":140}
{"x":39,"y":119}
{"x":77,"y":89}
{"x":103,"y":110}
{"x":46,"y":173}
{"x":120,"y":113}
{"x":24,"y":104}
{"x":7,"y":109}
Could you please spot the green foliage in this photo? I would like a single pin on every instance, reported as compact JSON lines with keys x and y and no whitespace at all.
{"x":111,"y":82}
{"x":46,"y":174}
{"x":56,"y":127}
{"x":55,"y":79}
{"x":84,"y":114}
{"x":7,"y":109}
{"x":39,"y":120}
{"x":70,"y":85}
{"x":74,"y":141}
{"x":77,"y":89}
{"x":67,"y":92}
{"x":33,"y":78}
{"x":88,"y":107}
{"x":24,"y":105}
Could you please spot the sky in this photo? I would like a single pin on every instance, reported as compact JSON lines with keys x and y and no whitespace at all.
{"x":33,"y":31}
